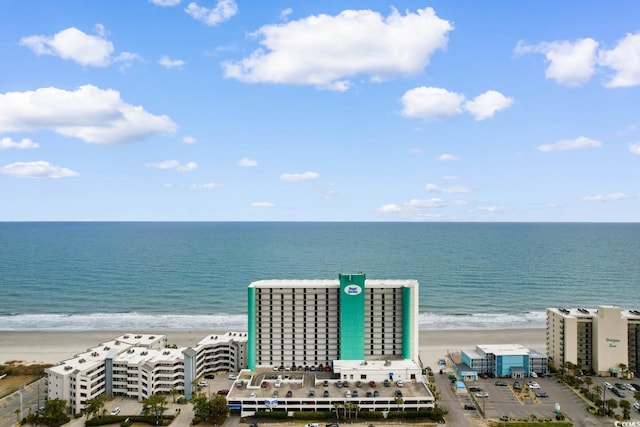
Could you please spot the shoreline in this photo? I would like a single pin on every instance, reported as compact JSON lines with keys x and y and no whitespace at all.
{"x":52,"y":347}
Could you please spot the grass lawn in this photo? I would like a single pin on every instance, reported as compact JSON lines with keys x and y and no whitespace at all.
{"x":11,"y":383}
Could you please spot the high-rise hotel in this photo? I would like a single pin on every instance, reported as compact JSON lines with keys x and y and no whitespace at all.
{"x":316,"y":322}
{"x":602,"y":339}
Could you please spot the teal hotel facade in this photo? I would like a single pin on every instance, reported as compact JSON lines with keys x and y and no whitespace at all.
{"x":318,"y":324}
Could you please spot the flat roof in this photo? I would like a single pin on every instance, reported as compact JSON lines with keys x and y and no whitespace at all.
{"x":329,"y":283}
{"x":504,"y":349}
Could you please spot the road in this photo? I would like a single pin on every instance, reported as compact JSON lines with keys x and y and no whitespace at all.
{"x":32,"y":397}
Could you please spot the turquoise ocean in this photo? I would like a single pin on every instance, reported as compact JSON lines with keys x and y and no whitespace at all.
{"x":174,"y":276}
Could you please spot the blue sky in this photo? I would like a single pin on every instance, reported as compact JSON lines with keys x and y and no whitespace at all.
{"x":319,"y":111}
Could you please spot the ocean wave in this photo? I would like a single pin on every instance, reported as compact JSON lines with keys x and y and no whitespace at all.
{"x":122,"y":322}
{"x":238,"y":322}
{"x":442,"y":321}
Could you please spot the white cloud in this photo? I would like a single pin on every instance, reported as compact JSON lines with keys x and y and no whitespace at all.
{"x":207,"y":186}
{"x":448,"y":158}
{"x":189,"y":140}
{"x":433,"y":188}
{"x":570,"y":144}
{"x":88,"y":113}
{"x":25,"y":143}
{"x":625,"y":60}
{"x":635,"y":148}
{"x":297,"y":177}
{"x":174,"y":165}
{"x":570,"y":63}
{"x":247,"y":163}
{"x":165,"y":2}
{"x":284,"y":15}
{"x":167,"y":62}
{"x":263,"y":205}
{"x":75,"y":45}
{"x":39,"y":169}
{"x":328,"y":51}
{"x":492,"y":208}
{"x":418,"y":209}
{"x":223,"y":11}
{"x":606,"y":197}
{"x":487,"y":104}
{"x":431,"y":103}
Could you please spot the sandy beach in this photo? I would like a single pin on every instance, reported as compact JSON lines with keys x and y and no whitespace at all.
{"x":52,"y":347}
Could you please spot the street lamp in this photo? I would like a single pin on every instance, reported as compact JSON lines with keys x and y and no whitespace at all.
{"x":604,"y":394}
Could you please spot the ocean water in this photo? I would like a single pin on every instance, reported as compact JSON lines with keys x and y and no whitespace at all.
{"x":164,"y":276}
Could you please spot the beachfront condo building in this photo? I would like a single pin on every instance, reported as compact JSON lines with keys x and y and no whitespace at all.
{"x":317,"y":323}
{"x":141,"y":365}
{"x":605,"y":340}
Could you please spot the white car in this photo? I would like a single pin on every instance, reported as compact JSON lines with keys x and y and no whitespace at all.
{"x":534,"y":375}
{"x":278,"y":383}
{"x":311,"y":425}
{"x":203,"y":384}
{"x":482,"y":395}
{"x":637,"y":406}
{"x":253,"y":394}
{"x":399,"y":383}
{"x":115,"y":411}
{"x":232,"y":377}
{"x":608,"y":385}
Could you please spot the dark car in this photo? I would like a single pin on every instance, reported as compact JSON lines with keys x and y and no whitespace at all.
{"x":398,"y":393}
{"x":325,"y":383}
{"x":501,"y":383}
{"x":618,"y":392}
{"x":326,"y":393}
{"x":541,"y":394}
{"x":620,"y":386}
{"x":372,"y":384}
{"x":369,"y":394}
{"x":312,"y":393}
{"x":475,"y":389}
{"x":223,"y":392}
{"x":289,"y":393}
{"x":387,"y":383}
{"x":516,"y":385}
{"x":376,"y":393}
{"x":469,"y":407}
{"x":210,"y":377}
{"x":354,"y":393}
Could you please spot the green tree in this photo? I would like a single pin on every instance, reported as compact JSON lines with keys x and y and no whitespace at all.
{"x":17,"y":412}
{"x":588,"y":381}
{"x":636,"y":395}
{"x":174,"y":392}
{"x":95,"y":406}
{"x":211,"y":409}
{"x":156,"y":404}
{"x":626,"y":409}
{"x":55,"y":413}
{"x":611,"y":405}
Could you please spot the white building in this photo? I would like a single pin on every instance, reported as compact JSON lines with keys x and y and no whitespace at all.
{"x":599,"y":339}
{"x":140,"y":365}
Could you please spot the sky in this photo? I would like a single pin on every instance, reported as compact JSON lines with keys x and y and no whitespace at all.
{"x":231,"y":110}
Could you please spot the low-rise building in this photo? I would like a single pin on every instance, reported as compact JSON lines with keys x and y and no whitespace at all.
{"x":503,"y":360}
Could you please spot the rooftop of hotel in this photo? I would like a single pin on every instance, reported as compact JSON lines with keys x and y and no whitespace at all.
{"x":499,"y":350}
{"x":329,"y":283}
{"x":592,"y":312}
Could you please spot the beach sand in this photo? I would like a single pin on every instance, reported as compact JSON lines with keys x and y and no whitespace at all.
{"x":32,"y":347}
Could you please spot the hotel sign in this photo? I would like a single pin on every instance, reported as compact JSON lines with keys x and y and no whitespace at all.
{"x":352,"y":290}
{"x":613,"y":342}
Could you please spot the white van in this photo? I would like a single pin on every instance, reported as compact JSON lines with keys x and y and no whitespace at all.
{"x":278,"y":383}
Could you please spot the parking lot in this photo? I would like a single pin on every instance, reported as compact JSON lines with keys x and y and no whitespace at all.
{"x":504,"y":400}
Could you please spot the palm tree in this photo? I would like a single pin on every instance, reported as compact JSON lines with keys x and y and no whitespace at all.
{"x":588,"y":381}
{"x":623,"y":370}
{"x":17,"y":411}
{"x":626,"y":409}
{"x":174,"y":392}
{"x":611,"y":405}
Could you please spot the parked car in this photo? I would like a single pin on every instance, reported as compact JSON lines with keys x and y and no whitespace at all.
{"x":203,"y":384}
{"x":399,"y":383}
{"x":516,"y":385}
{"x":347,"y":394}
{"x":358,"y":383}
{"x":232,"y":376}
{"x":372,"y":384}
{"x":253,"y":394}
{"x":620,"y":386}
{"x":326,"y":393}
{"x":325,"y":383}
{"x":541,"y":394}
{"x":289,"y":393}
{"x":239,"y":383}
{"x":482,"y":395}
{"x":469,"y":407}
{"x":501,"y":383}
{"x":210,"y":377}
{"x":533,"y":385}
{"x":115,"y":411}
{"x":339,"y":384}
{"x":264,"y":384}
{"x":607,"y":385}
{"x":398,"y":393}
{"x":474,"y":389}
{"x":223,"y":392}
{"x":387,"y":383}
{"x":278,"y":383}
{"x":275,"y":394}
{"x":637,"y":406}
{"x":376,"y":393}
{"x":369,"y":394}
{"x":354,"y":393}
{"x":617,"y":392}
{"x":312,"y":393}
